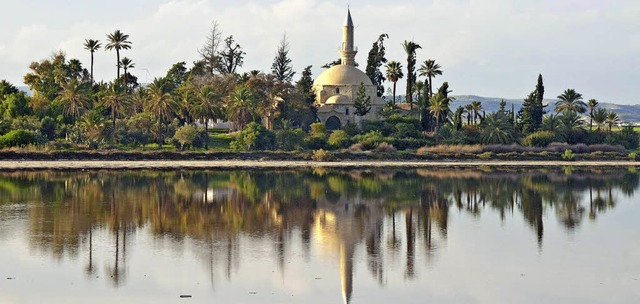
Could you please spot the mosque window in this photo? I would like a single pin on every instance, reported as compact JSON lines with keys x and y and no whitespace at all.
{"x":346,"y":111}
{"x":337,"y":90}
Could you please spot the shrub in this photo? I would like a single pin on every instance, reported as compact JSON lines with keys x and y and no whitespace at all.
{"x":356,"y":148}
{"x":289,"y":140}
{"x":322,"y":155}
{"x":254,"y":137}
{"x":568,"y":155}
{"x":385,"y":148}
{"x":48,"y":128}
{"x":408,"y":143}
{"x":453,"y":149}
{"x":404,"y":130}
{"x":318,"y":129}
{"x":634,"y":156}
{"x":339,"y":139}
{"x":186,"y":135}
{"x":539,"y":139}
{"x":18,"y":138}
{"x":314,"y":142}
{"x":486,"y":155}
{"x":370,"y":140}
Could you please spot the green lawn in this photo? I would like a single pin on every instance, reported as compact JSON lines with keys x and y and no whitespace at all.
{"x":219,"y":141}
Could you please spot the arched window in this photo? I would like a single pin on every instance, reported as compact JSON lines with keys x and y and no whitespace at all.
{"x":337,"y":90}
{"x":346,"y":111}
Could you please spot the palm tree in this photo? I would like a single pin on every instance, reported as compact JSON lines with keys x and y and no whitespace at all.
{"x":438,"y":105}
{"x":92,"y":46}
{"x":242,"y":107}
{"x":430,"y":69}
{"x":160,"y":103}
{"x":570,"y":121}
{"x":612,"y":119}
{"x":117,"y":100}
{"x":469,"y":109}
{"x":551,"y":123}
{"x":138,"y":100}
{"x":117,"y":41}
{"x":74,"y":96}
{"x":477,"y":107}
{"x":570,"y":101}
{"x":207,"y":106}
{"x":126,"y":64}
{"x":592,"y":104}
{"x":394,"y":73}
{"x":496,"y":129}
{"x":599,"y":117}
{"x":410,"y":48}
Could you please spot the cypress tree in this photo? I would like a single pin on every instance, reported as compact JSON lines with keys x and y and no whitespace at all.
{"x":375,"y":60}
{"x":281,"y":67}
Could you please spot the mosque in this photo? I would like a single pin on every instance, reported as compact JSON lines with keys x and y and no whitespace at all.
{"x":337,"y":87}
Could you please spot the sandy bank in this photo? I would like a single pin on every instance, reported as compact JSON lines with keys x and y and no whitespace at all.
{"x":248,"y":164}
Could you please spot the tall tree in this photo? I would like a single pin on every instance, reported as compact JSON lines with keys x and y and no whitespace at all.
{"x":592,"y":104}
{"x":538,"y":109}
{"x":612,"y":120}
{"x":599,"y":116}
{"x":410,"y":48}
{"x":74,"y":97}
{"x":92,"y":46}
{"x":126,"y":64}
{"x":394,"y":73}
{"x":117,"y":41}
{"x":570,"y":101}
{"x":210,"y":49}
{"x":116,"y":100}
{"x":161,"y":104}
{"x":231,"y":57}
{"x":207,"y":106}
{"x":281,"y":67}
{"x":375,"y":60}
{"x":362,"y":102}
{"x":469,"y":109}
{"x":477,"y":107}
{"x":438,"y":105}
{"x":430,"y":69}
{"x":304,"y":87}
{"x":241,"y":107}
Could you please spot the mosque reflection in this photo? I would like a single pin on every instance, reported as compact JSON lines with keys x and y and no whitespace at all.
{"x":398,"y":213}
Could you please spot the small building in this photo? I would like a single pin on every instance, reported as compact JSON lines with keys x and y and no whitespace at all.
{"x":337,"y":87}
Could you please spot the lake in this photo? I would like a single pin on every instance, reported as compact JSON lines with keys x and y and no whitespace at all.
{"x":480,"y":235}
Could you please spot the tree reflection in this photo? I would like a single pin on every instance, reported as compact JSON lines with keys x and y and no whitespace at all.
{"x":336,"y":211}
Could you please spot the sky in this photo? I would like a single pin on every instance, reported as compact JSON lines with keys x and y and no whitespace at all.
{"x":491,"y":48}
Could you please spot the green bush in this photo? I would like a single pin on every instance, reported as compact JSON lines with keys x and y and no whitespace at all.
{"x":405,"y":130}
{"x":289,"y":139}
{"x":18,"y":138}
{"x":486,"y":155}
{"x":568,"y":155}
{"x":370,"y":140}
{"x":322,"y":155}
{"x":634,"y":156}
{"x":254,"y":137}
{"x":318,"y":129}
{"x":408,"y":143}
{"x":186,"y":135}
{"x":339,"y":139}
{"x":48,"y":127}
{"x":539,"y":139}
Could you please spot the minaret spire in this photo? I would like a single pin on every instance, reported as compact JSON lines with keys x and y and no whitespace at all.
{"x":348,"y":52}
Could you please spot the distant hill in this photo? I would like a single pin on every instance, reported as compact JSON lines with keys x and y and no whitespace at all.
{"x":628,"y":113}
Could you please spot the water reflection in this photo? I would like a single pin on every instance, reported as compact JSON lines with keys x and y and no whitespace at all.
{"x":393,"y":215}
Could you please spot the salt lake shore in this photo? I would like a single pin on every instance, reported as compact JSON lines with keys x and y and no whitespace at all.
{"x":280,"y":164}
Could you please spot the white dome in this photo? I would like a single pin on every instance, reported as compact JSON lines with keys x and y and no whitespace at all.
{"x":342,"y":75}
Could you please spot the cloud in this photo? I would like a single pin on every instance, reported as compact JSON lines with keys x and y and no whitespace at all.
{"x":488,"y":47}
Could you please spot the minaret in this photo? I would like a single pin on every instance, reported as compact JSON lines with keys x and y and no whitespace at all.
{"x":348,"y":52}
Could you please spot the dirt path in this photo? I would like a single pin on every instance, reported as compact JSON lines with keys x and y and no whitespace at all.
{"x":239,"y":164}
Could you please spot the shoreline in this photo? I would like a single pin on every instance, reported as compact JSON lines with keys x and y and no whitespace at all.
{"x":26,"y":165}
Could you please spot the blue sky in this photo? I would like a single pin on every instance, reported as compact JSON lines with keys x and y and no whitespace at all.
{"x":493,"y":48}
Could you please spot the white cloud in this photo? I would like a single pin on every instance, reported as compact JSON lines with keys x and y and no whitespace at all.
{"x":488,"y":47}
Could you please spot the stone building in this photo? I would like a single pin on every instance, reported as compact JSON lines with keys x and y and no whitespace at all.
{"x":337,"y":87}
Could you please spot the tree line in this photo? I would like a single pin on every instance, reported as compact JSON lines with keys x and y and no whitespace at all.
{"x":270,"y":110}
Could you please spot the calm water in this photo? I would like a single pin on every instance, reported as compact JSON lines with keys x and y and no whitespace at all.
{"x":320,"y":236}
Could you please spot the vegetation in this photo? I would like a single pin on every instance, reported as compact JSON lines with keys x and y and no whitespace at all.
{"x":187,"y":108}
